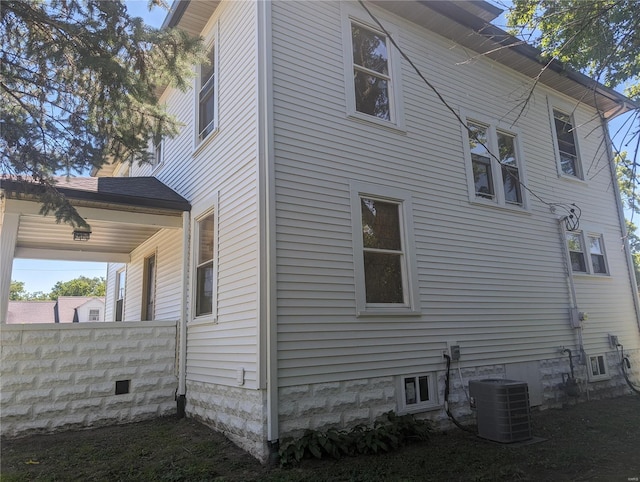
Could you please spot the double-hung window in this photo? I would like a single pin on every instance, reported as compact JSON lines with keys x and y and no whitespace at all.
{"x":566,"y":145}
{"x":207,"y":91}
{"x":586,"y":252}
{"x":158,"y":152}
{"x":386,"y":279}
{"x":204,"y":276}
{"x":94,"y":315}
{"x":372,"y":78}
{"x":494,"y":164}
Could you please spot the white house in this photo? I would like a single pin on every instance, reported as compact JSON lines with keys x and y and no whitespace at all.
{"x":336,"y":222}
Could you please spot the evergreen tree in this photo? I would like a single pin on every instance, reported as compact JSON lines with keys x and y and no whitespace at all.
{"x":78,"y":88}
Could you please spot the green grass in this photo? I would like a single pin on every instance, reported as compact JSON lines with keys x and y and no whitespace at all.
{"x":595,"y":441}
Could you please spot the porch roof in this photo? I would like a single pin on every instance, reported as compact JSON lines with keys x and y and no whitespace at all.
{"x":122,"y":212}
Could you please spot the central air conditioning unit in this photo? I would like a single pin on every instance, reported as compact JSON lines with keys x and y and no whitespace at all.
{"x":502,"y":409}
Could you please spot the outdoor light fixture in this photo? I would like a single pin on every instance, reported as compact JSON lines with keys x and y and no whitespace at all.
{"x":81,"y":235}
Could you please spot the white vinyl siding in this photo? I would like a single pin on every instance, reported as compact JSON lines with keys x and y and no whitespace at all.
{"x":492,"y":279}
{"x":225,"y":167}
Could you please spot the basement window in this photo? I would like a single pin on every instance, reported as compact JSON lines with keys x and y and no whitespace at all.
{"x":417,"y":393}
{"x":597,"y":367}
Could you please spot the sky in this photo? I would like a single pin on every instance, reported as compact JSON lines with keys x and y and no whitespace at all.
{"x":42,"y":275}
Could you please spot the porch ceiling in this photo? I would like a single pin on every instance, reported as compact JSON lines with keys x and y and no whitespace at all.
{"x":122,"y":216}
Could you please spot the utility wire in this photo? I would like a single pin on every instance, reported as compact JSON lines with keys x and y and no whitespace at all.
{"x":571,"y":219}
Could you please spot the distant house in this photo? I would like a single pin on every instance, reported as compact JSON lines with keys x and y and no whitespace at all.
{"x":324,"y":228}
{"x":68,"y":309}
{"x":31,"y":312}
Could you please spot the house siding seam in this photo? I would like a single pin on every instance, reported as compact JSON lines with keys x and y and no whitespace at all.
{"x":59,"y":377}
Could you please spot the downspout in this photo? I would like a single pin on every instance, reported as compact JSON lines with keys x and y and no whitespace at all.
{"x":623,"y":224}
{"x":181,"y":398}
{"x":268,"y":357}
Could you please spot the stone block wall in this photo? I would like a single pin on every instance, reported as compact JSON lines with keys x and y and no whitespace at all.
{"x":238,"y":413}
{"x":62,"y":376}
{"x":342,"y":405}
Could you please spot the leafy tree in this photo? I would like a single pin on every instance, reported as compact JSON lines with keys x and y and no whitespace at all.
{"x":81,"y":286}
{"x":602,"y":39}
{"x":78,"y":89}
{"x":16,"y":290}
{"x":599,"y":37}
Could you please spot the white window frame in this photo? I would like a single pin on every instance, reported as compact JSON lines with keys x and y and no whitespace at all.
{"x":566,"y":109}
{"x":118,"y":288}
{"x":420,"y":405}
{"x":353,"y":13}
{"x":493,"y":128}
{"x":211,"y":41}
{"x":585,"y":236}
{"x":201,"y":211}
{"x":602,"y":369}
{"x":410,"y":306}
{"x":158,"y":154}
{"x":94,"y":313}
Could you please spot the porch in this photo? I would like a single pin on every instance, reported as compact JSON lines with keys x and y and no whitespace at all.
{"x":56,"y":376}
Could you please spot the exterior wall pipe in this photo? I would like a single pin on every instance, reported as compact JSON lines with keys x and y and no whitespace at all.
{"x":182,"y":324}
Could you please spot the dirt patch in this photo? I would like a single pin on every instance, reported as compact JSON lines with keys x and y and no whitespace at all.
{"x":598,"y":440}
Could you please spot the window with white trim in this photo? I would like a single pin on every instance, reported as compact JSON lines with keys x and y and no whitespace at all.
{"x":121,"y":277}
{"x":586,"y":252}
{"x":566,"y":146}
{"x":207,"y":92}
{"x":158,"y":153}
{"x":94,"y":315}
{"x":597,"y":368}
{"x":417,"y":392}
{"x":372,"y":77}
{"x":386,"y":277}
{"x":204,"y":272}
{"x":494,"y":164}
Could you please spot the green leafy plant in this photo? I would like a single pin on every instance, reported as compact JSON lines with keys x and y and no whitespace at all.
{"x":388,"y":433}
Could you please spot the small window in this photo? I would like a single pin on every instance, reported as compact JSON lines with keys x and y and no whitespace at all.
{"x":576,"y":252}
{"x":207,"y":95}
{"x":598,"y":261}
{"x":158,"y":153}
{"x":386,"y":277}
{"x":371,"y":72}
{"x":371,"y":68}
{"x":566,"y":145}
{"x":594,"y":260}
{"x":120,"y":290}
{"x":597,"y":367}
{"x":417,"y":393}
{"x":94,"y":315}
{"x":494,"y":164}
{"x":204,"y":268}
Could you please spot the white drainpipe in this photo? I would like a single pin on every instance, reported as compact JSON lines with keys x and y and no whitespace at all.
{"x":182,"y":324}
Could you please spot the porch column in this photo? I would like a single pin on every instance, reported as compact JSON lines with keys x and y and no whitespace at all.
{"x":8,"y":236}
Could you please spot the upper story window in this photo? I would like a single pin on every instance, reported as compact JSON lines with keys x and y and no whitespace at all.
{"x":372,"y":77}
{"x":494,"y":165}
{"x":207,"y":105}
{"x":586,"y":252}
{"x":205,"y":282}
{"x":371,"y":72}
{"x":158,"y":153}
{"x":386,"y":279}
{"x":566,"y":145}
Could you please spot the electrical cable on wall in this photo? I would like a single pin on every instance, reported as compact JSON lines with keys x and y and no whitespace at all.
{"x":625,"y":364}
{"x":574,"y":218}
